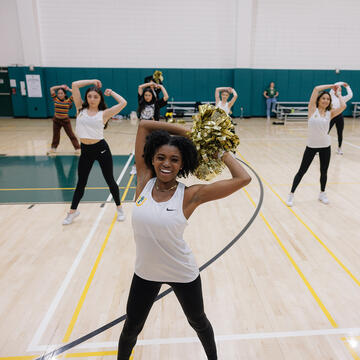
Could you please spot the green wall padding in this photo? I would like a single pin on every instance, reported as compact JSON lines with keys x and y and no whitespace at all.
{"x":183,"y":85}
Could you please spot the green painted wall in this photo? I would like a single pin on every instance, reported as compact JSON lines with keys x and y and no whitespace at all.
{"x":183,"y":85}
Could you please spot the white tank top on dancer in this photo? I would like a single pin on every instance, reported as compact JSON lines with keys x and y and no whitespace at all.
{"x":161,"y":252}
{"x":90,"y":127}
{"x":225,"y":107}
{"x":318,"y":128}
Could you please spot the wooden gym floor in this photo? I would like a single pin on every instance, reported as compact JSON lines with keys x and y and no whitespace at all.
{"x":288,"y":288}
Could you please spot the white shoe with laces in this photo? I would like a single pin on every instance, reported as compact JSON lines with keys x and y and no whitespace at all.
{"x":339,"y":151}
{"x":323,"y":198}
{"x":70,"y":217}
{"x":290,"y":200}
{"x":120,"y":214}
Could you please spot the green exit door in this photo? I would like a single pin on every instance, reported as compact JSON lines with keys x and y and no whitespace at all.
{"x":5,"y":95}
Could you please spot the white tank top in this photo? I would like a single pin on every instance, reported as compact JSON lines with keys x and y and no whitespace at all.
{"x":223,"y":107}
{"x":90,"y":127}
{"x":318,"y":128}
{"x":161,"y":252}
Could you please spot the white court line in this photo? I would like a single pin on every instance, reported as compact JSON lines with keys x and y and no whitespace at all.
{"x":349,"y":143}
{"x":41,"y":329}
{"x":219,"y":338}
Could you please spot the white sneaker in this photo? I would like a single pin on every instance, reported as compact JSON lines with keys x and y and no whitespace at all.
{"x":290,"y":200}
{"x":70,"y":217}
{"x":133,"y":170}
{"x":323,"y":198}
{"x":120,"y":214}
{"x":339,"y":151}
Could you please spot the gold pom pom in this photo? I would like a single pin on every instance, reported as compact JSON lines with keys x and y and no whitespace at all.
{"x":212,"y":132}
{"x":158,"y":76}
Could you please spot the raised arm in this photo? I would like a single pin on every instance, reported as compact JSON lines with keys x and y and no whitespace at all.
{"x":76,"y":85}
{"x":146,"y":128}
{"x":349,"y":93}
{"x":54,"y":88}
{"x":339,"y":110}
{"x":109,"y":113}
{"x":217,"y":93}
{"x":235,"y":96}
{"x":162,"y":88}
{"x":314,"y":95}
{"x":143,"y":86}
{"x":198,"y":194}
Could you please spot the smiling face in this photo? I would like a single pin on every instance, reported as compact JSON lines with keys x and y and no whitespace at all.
{"x":61,"y":94}
{"x":93,"y":99}
{"x":167,"y":163}
{"x":324,"y":101}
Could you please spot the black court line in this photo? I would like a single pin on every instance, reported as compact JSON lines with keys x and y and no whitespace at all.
{"x":105,"y":327}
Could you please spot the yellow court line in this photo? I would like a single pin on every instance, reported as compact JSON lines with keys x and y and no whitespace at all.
{"x":92,"y":274}
{"x":71,"y":188}
{"x":29,"y":357}
{"x":311,"y":232}
{"x":96,"y":353}
{"x":312,"y":291}
{"x":350,"y":349}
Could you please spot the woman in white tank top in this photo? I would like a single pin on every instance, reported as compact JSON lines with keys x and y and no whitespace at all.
{"x":92,"y":118}
{"x":160,"y":216}
{"x":320,"y":112}
{"x":224,"y":104}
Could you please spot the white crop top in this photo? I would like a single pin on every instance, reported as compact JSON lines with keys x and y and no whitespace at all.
{"x":318,"y":128}
{"x":161,"y":252}
{"x":223,"y":107}
{"x":90,"y":127}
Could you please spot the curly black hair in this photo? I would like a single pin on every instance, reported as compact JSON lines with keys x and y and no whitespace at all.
{"x":186,"y":147}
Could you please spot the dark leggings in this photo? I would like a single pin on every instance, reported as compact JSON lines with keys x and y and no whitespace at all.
{"x":339,"y":122}
{"x":324,"y":154}
{"x":89,"y":153}
{"x":141,"y":298}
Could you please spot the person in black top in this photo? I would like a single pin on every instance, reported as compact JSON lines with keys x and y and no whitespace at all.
{"x":149,"y":103}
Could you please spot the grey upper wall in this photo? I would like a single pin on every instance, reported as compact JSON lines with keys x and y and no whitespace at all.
{"x":264,"y":34}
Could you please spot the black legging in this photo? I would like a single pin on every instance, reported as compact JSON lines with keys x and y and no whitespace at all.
{"x":324,"y":154}
{"x":141,"y":298}
{"x":89,"y":153}
{"x":339,"y":122}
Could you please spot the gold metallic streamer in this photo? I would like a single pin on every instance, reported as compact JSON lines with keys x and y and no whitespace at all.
{"x":158,"y":76}
{"x":212,"y":132}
